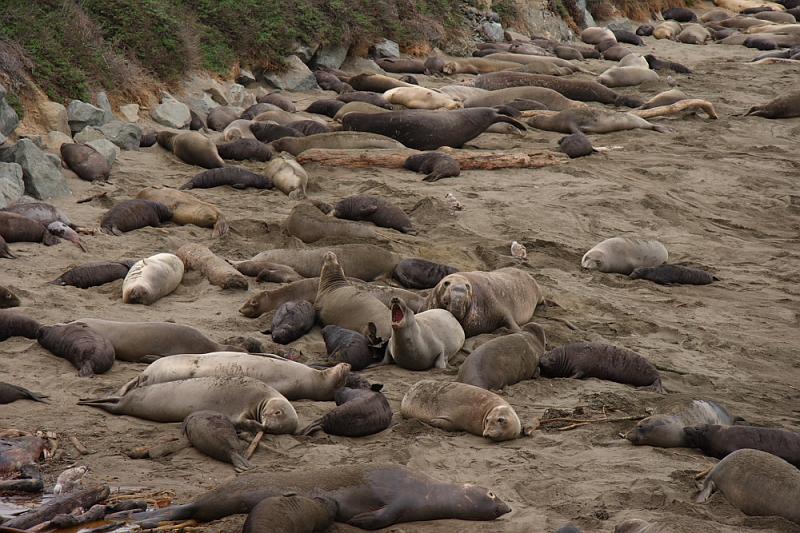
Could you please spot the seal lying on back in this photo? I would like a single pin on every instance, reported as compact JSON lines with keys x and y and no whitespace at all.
{"x":782,"y":107}
{"x":485,"y":301}
{"x":666,"y":430}
{"x":186,"y":209}
{"x":420,"y":273}
{"x":673,"y":274}
{"x":215,"y":435}
{"x":11,"y":393}
{"x":362,"y":261}
{"x":422,"y":341}
{"x":94,"y":274}
{"x":581,"y":360}
{"x":622,"y":255}
{"x":88,"y":351}
{"x":359,"y":413}
{"x":435,"y":164}
{"x":758,"y":483}
{"x":236,"y":177}
{"x":591,"y":121}
{"x":584,"y":91}
{"x":152,"y":278}
{"x":367,"y":496}
{"x":333,"y":141}
{"x":720,"y":441}
{"x":291,"y":514}
{"x":129,"y":215}
{"x":248,"y":402}
{"x":374,"y":209}
{"x":454,"y":406}
{"x":429,"y":130}
{"x":505,"y":360}
{"x":15,"y":324}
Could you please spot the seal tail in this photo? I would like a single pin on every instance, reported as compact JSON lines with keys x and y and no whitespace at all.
{"x":6,"y":253}
{"x":240,"y":464}
{"x":221,"y":227}
{"x":132,"y":384}
{"x":312,"y":428}
{"x":30,"y":395}
{"x":755,"y":111}
{"x":508,"y":120}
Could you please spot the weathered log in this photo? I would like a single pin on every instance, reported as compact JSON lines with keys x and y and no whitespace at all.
{"x":218,"y":271}
{"x":60,"y":505}
{"x":468,"y":159}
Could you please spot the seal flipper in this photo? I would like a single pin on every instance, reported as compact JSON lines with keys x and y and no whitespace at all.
{"x":705,"y":491}
{"x":221,"y":227}
{"x":385,"y":516}
{"x":110,"y":403}
{"x":313,"y":427}
{"x":152,"y":519}
{"x":240,"y":464}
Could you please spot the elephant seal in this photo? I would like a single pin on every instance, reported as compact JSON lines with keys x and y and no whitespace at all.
{"x":245,"y":150}
{"x":720,"y":441}
{"x":454,"y":406}
{"x":375,"y":83}
{"x":660,"y":64}
{"x":238,"y":129}
{"x":288,"y":176}
{"x":581,"y":360}
{"x":144,"y":342}
{"x":616,"y":53}
{"x":8,"y":299}
{"x":422,"y":341}
{"x":398,"y":65}
{"x":309,"y":224}
{"x":326,"y":107}
{"x":368,"y":496}
{"x":475,"y":65}
{"x":291,"y":514}
{"x":346,"y":346}
{"x":622,"y":255}
{"x":757,"y":483}
{"x":195,"y":149}
{"x":151,"y":279}
{"x":186,"y":209}
{"x":309,"y":127}
{"x":693,"y":34}
{"x":627,"y":76}
{"x":373,"y":209}
{"x":673,"y":274}
{"x":365,"y":96}
{"x":595,"y":34}
{"x":787,"y":106}
{"x":148,"y":139}
{"x":429,"y":130}
{"x":590,"y":120}
{"x":215,"y":435}
{"x":435,"y":165}
{"x":553,"y":100}
{"x":15,"y":324}
{"x":85,"y":161}
{"x":11,"y":393}
{"x":330,"y":82}
{"x":236,"y":177}
{"x":680,"y":14}
{"x":359,"y":413}
{"x":335,"y":140}
{"x":567,"y":52}
{"x":645,"y":30}
{"x":576,"y":145}
{"x":341,"y":304}
{"x":292,"y":320}
{"x":485,"y":301}
{"x":267,"y":132}
{"x":667,"y":30}
{"x":17,"y":228}
{"x":278,"y":100}
{"x":129,"y":215}
{"x":665,"y":98}
{"x":420,"y":273}
{"x":632,"y":60}
{"x":196,"y":122}
{"x":88,"y":351}
{"x":505,"y":360}
{"x":628,"y":37}
{"x":357,"y":107}
{"x":415,"y":97}
{"x":778,"y":17}
{"x":94,"y":274}
{"x":665,"y":430}
{"x":256,"y":109}
{"x":267,"y":271}
{"x":219,"y":117}
{"x":583,"y":91}
{"x":248,"y":402}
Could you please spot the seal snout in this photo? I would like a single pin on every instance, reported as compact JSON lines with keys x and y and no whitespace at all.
{"x":398,"y":313}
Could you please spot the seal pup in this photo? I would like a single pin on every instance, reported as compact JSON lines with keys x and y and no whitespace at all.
{"x":94,"y":274}
{"x":420,"y":273}
{"x":485,"y":301}
{"x":291,"y":513}
{"x":576,"y":145}
{"x":665,"y":430}
{"x":266,"y":132}
{"x":622,"y":255}
{"x":720,"y":441}
{"x":787,"y":106}
{"x":454,"y":406}
{"x":16,"y":324}
{"x":435,"y":165}
{"x":340,"y":303}
{"x":373,"y":209}
{"x":679,"y":14}
{"x":266,"y":271}
{"x":129,"y":215}
{"x":88,"y":351}
{"x":85,"y":161}
{"x":335,"y":140}
{"x":288,"y":176}
{"x":292,"y":320}
{"x":661,"y":64}
{"x":248,"y":402}
{"x":215,"y":435}
{"x":581,"y":360}
{"x":11,"y":393}
{"x":757,"y":483}
{"x":309,"y":127}
{"x":238,"y":129}
{"x":326,"y":107}
{"x":278,"y":100}
{"x":186,"y":209}
{"x":346,"y":346}
{"x":359,"y":413}
{"x":236,"y":177}
{"x":245,"y":149}
{"x":422,"y":341}
{"x":505,"y":360}
{"x":152,"y":278}
{"x":365,"y":96}
{"x":17,"y":228}
{"x":192,"y":148}
{"x":8,"y":299}
{"x":673,"y":274}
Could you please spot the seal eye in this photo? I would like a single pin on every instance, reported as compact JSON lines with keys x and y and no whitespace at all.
{"x":446,"y":284}
{"x":491,"y":495}
{"x":501,"y":420}
{"x":278,"y":413}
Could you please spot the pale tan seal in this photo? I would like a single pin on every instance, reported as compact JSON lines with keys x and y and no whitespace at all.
{"x":288,"y":176}
{"x":622,"y":255}
{"x":152,"y":278}
{"x":420,"y":98}
{"x":693,"y":34}
{"x":665,"y":430}
{"x":554,"y":100}
{"x":186,"y":209}
{"x":196,"y":149}
{"x":633,"y":60}
{"x":475,"y":65}
{"x":238,"y":129}
{"x":665,"y":98}
{"x":627,"y":76}
{"x":335,"y":140}
{"x":357,"y":107}
{"x":595,"y":35}
{"x":422,"y":341}
{"x":454,"y":406}
{"x":363,"y":261}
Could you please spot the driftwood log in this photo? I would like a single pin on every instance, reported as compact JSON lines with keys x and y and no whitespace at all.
{"x":60,"y":505}
{"x":395,"y":158}
{"x":218,"y":271}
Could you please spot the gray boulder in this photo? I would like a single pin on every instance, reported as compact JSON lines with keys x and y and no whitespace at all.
{"x":305,"y":51}
{"x":12,"y":186}
{"x":8,"y":117}
{"x":172,"y":113}
{"x":492,"y":31}
{"x":124,"y":134}
{"x":245,"y":77}
{"x":296,"y":77}
{"x":358,"y":65}
{"x":80,"y":114}
{"x":105,"y":105}
{"x":109,"y":150}
{"x":54,"y":117}
{"x":235,"y":94}
{"x":130,"y":112}
{"x":42,"y":177}
{"x":331,"y":56}
{"x":387,"y":48}
{"x":89,"y":133}
{"x":587,"y":16}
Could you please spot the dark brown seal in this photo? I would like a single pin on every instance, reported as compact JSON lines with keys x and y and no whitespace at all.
{"x":129,"y":215}
{"x":567,"y":52}
{"x":291,"y":514}
{"x":365,"y":96}
{"x":87,"y":350}
{"x":662,"y":64}
{"x":94,"y":274}
{"x":236,"y":177}
{"x":11,"y":393}
{"x":645,"y":30}
{"x":505,"y":360}
{"x":85,"y":161}
{"x":435,"y":164}
{"x":148,"y":139}
{"x":580,"y":360}
{"x":220,"y":117}
{"x":8,"y":299}
{"x":5,"y":253}
{"x":346,"y":346}
{"x":377,"y":210}
{"x":17,"y":228}
{"x":673,"y":274}
{"x":215,"y":435}
{"x":420,"y":273}
{"x":399,"y":65}
{"x":576,"y":145}
{"x":278,"y":100}
{"x":358,"y":413}
{"x":582,"y":90}
{"x":325,"y":107}
{"x":256,"y":109}
{"x":309,"y":127}
{"x":679,"y":14}
{"x":429,"y":130}
{"x":367,"y":496}
{"x":720,"y":441}
{"x":782,"y":107}
{"x":196,"y":122}
{"x":266,"y":132}
{"x":245,"y":149}
{"x":624,"y":36}
{"x":309,"y":224}
{"x":330,"y":82}
{"x":292,"y":320}
{"x":15,"y":324}
{"x":377,"y":83}
{"x":271,"y":271}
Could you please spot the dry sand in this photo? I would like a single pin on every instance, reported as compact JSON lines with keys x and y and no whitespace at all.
{"x":720,"y":194}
